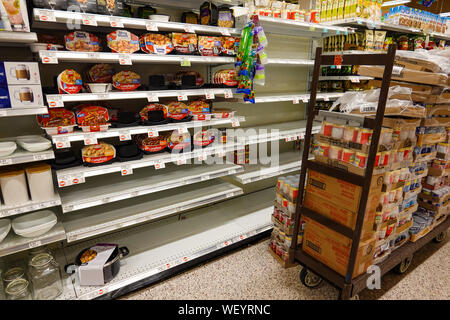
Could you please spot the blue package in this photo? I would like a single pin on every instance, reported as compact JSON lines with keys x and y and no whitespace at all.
{"x":5,"y":101}
{"x":3,"y":81}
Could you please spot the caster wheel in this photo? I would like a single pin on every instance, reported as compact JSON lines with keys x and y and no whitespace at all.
{"x":310,"y":279}
{"x":440,"y":237}
{"x":403,"y":266}
{"x":355,"y":297}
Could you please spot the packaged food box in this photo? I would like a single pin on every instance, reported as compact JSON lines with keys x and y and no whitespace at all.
{"x":178,"y":141}
{"x":156,"y":43}
{"x":204,"y":138}
{"x":209,"y":14}
{"x":151,"y":144}
{"x":19,"y":73}
{"x":226,"y":77}
{"x":82,"y":41}
{"x":184,"y":43}
{"x":93,"y":119}
{"x":122,"y":41}
{"x":101,"y":73}
{"x":14,"y":16}
{"x":209,"y":46}
{"x":229,"y":45}
{"x":57,"y":121}
{"x":225,"y":17}
{"x":110,"y":7}
{"x":101,"y":153}
{"x":126,"y":81}
{"x":198,"y":106}
{"x":21,"y":96}
{"x":178,"y":110}
{"x":89,"y":6}
{"x":69,"y":81}
{"x":151,"y":107}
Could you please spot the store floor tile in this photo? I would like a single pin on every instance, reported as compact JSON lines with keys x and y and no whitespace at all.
{"x":252,"y":273}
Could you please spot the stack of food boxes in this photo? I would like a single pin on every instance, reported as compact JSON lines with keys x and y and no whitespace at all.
{"x":332,"y":10}
{"x":283,"y":218}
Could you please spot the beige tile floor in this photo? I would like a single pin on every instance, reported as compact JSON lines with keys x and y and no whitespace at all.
{"x":252,"y":273}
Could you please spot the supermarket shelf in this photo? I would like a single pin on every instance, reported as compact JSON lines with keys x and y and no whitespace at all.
{"x":115,"y":188}
{"x":302,"y":62}
{"x":117,"y":132}
{"x":355,"y":78}
{"x":355,"y":22}
{"x":11,"y":37}
{"x":288,"y":162}
{"x":110,"y":57}
{"x":6,"y":211}
{"x":129,"y":23}
{"x":347,"y":52}
{"x":54,"y":100}
{"x":299,"y":28}
{"x":14,"y":243}
{"x":295,"y":97}
{"x":22,"y":156}
{"x":111,"y":217}
{"x":13,"y":112}
{"x":168,"y":245}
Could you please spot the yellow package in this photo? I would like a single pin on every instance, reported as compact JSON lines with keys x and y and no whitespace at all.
{"x":341,"y":9}
{"x":329,"y":10}
{"x":323,"y":10}
{"x":334,"y":14}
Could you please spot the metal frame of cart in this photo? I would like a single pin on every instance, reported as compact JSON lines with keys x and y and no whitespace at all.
{"x":314,"y":271}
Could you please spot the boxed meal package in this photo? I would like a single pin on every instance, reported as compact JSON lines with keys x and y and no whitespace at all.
{"x":148,"y":117}
{"x":101,"y":73}
{"x":126,"y":81}
{"x":178,"y":111}
{"x":333,"y":248}
{"x":89,"y":6}
{"x":209,"y":45}
{"x":150,"y":145}
{"x":204,"y":138}
{"x":209,"y":14}
{"x":21,"y":96}
{"x":198,"y":107}
{"x":14,"y":15}
{"x":82,"y":41}
{"x":226,"y":77}
{"x":156,"y":43}
{"x":57,"y":121}
{"x":178,"y":142}
{"x":111,"y":7}
{"x":123,"y":41}
{"x":229,"y":45}
{"x":19,"y":73}
{"x":184,"y":43}
{"x":69,"y":81}
{"x":225,"y":17}
{"x":98,"y":154}
{"x":93,"y":119}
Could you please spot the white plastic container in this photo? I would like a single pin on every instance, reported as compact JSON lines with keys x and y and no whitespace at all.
{"x":99,"y":87}
{"x":34,"y":143}
{"x":40,"y":182}
{"x":36,"y":47}
{"x":5,"y":226}
{"x":222,"y":114}
{"x":58,"y":130}
{"x":159,"y":17}
{"x":99,"y":128}
{"x":14,"y":187}
{"x":7,"y":148}
{"x":34,"y":224}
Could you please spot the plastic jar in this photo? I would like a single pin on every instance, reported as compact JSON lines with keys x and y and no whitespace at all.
{"x":335,"y":153}
{"x":14,"y":187}
{"x":365,"y":136}
{"x":361,"y":159}
{"x":338,"y":131}
{"x":327,"y":128}
{"x":40,"y":182}
{"x":386,"y":136}
{"x":18,"y":289}
{"x":45,"y":277}
{"x":348,"y":155}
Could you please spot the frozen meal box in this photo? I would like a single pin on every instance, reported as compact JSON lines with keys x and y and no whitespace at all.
{"x":89,"y":6}
{"x":209,"y":46}
{"x":110,"y":7}
{"x":82,"y":41}
{"x":178,"y":141}
{"x":156,"y":43}
{"x":98,"y":153}
{"x":57,"y":121}
{"x":178,"y":110}
{"x":229,"y":45}
{"x":126,"y":81}
{"x":15,"y":73}
{"x":69,"y":81}
{"x":185,"y":43}
{"x":122,"y":41}
{"x":101,"y":73}
{"x":204,"y":138}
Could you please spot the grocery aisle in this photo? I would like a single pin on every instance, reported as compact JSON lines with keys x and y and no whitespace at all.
{"x":251,"y":273}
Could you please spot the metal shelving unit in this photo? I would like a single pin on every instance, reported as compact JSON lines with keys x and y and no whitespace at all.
{"x":15,"y":38}
{"x":23,"y":156}
{"x":15,"y":112}
{"x":7,"y":211}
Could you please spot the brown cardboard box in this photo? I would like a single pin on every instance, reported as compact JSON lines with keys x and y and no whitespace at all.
{"x":415,"y":87}
{"x":403,"y":111}
{"x":400,"y":123}
{"x":417,"y":64}
{"x":438,"y":79}
{"x":439,"y":110}
{"x":333,"y":249}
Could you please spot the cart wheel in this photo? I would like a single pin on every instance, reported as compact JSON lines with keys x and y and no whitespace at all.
{"x":355,"y":297}
{"x":441,"y":236}
{"x":310,"y":279}
{"x":404,"y":265}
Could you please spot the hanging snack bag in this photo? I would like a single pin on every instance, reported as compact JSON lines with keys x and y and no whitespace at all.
{"x":184,"y":43}
{"x":98,"y":154}
{"x":379,"y":40}
{"x":208,"y":14}
{"x":57,"y":121}
{"x":82,"y":41}
{"x":152,"y":107}
{"x":229,"y":45}
{"x":156,"y":43}
{"x":151,"y":145}
{"x":101,"y":73}
{"x":226,"y":17}
{"x":209,"y":46}
{"x":126,"y":81}
{"x":369,"y":40}
{"x":93,"y":119}
{"x":178,"y":141}
{"x":204,"y":138}
{"x":178,"y":111}
{"x":69,"y":81}
{"x":122,"y":41}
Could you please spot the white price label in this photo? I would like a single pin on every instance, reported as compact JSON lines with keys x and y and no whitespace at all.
{"x":124,"y":135}
{"x":225,"y":32}
{"x":94,"y":55}
{"x":151,"y":26}
{"x":49,"y":57}
{"x":3,"y":113}
{"x":201,"y":157}
{"x":39,"y":157}
{"x":115,"y":22}
{"x":46,"y":15}
{"x":206,"y":177}
{"x":69,"y":180}
{"x":354,"y":79}
{"x":126,"y":170}
{"x":181,"y":161}
{"x":397,"y":70}
{"x":182,"y":130}
{"x":55,"y":101}
{"x":185,"y":62}
{"x":90,"y":139}
{"x":228,"y":94}
{"x":291,"y":138}
{"x":34,"y":244}
{"x":102,"y":96}
{"x":295,"y":101}
{"x":182,"y":97}
{"x":209,"y":95}
{"x":152,"y":97}
{"x":326,"y":98}
{"x":125,"y":59}
{"x":77,"y":179}
{"x":304,"y":99}
{"x":235,"y":122}
{"x":338,"y":66}
{"x":153,"y":132}
{"x":5,"y":162}
{"x":62,"y":142}
{"x":189,"y":29}
{"x":224,"y":244}
{"x":88,"y":20}
{"x":159,"y":165}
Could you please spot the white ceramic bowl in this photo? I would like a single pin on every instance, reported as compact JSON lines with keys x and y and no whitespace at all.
{"x":34,"y":143}
{"x":159,"y":17}
{"x":34,"y":224}
{"x":7,"y":148}
{"x":5,"y":226}
{"x":99,"y":87}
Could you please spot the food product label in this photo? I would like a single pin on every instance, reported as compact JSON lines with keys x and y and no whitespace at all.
{"x":228,"y":94}
{"x":49,"y":57}
{"x":181,"y":161}
{"x":125,"y":60}
{"x":115,"y":22}
{"x":338,"y":60}
{"x":88,"y":19}
{"x":46,"y":15}
{"x":55,"y":101}
{"x":209,"y":95}
{"x":225,"y":32}
{"x":90,"y":139}
{"x":160,"y":165}
{"x":123,"y":41}
{"x":295,"y":101}
{"x":34,"y":244}
{"x":98,"y":153}
{"x":156,"y":43}
{"x":69,"y":81}
{"x":126,"y":170}
{"x":124,"y":135}
{"x":62,"y":143}
{"x":235,"y":122}
{"x":151,"y":97}
{"x":151,"y":26}
{"x":189,"y":29}
{"x":101,"y":73}
{"x":304,"y":99}
{"x":5,"y":162}
{"x":39,"y":157}
{"x":182,"y":130}
{"x":126,"y":81}
{"x":182,"y":97}
{"x":185,"y":62}
{"x":153,"y":132}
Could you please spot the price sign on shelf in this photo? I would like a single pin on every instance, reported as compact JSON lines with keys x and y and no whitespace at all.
{"x":181,"y":161}
{"x":34,"y":244}
{"x":5,"y":162}
{"x":291,"y":138}
{"x":90,"y":139}
{"x":151,"y":26}
{"x":159,"y":165}
{"x":152,"y":132}
{"x":304,"y":99}
{"x":49,"y":57}
{"x":354,"y":79}
{"x":152,"y":97}
{"x":325,"y":98}
{"x":62,"y":142}
{"x":126,"y":170}
{"x":88,"y":20}
{"x":55,"y":101}
{"x":189,"y":29}
{"x":338,"y":60}
{"x":235,"y":122}
{"x":185,"y":62}
{"x":39,"y":157}
{"x":295,"y":101}
{"x":46,"y":15}
{"x":124,"y":135}
{"x":228,"y":94}
{"x":94,"y":55}
{"x":125,"y":59}
{"x":209,"y":94}
{"x":182,"y":130}
{"x":115,"y":22}
{"x":225,"y":32}
{"x":182,"y":97}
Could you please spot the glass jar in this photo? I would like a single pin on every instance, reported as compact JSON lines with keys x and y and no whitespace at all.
{"x":45,"y":277}
{"x":13,"y":274}
{"x":35,"y":251}
{"x":18,"y":289}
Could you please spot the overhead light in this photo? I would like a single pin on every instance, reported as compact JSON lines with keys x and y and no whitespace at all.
{"x":445,"y":14}
{"x":394,"y":3}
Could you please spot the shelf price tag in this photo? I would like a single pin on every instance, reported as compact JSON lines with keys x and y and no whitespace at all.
{"x":354,"y":79}
{"x":312,"y":28}
{"x":125,"y":59}
{"x":326,"y":98}
{"x":88,"y":20}
{"x":181,"y":161}
{"x":295,"y":100}
{"x":90,"y":139}
{"x":39,"y":157}
{"x":201,"y":157}
{"x":182,"y":130}
{"x":291,"y":138}
{"x":124,"y":135}
{"x":225,"y":32}
{"x":228,"y":94}
{"x":94,"y":55}
{"x":235,"y":122}
{"x":152,"y":97}
{"x":159,"y":165}
{"x":152,"y":132}
{"x":304,"y":99}
{"x":182,"y":97}
{"x":34,"y":244}
{"x":46,"y":15}
{"x":62,"y":142}
{"x":55,"y":101}
{"x":189,"y":29}
{"x":209,"y":94}
{"x":49,"y":57}
{"x":205,"y":177}
{"x":115,"y":22}
{"x":151,"y":26}
{"x":5,"y":162}
{"x":126,"y":170}
{"x":185,"y":62}
{"x":224,"y":244}
{"x":338,"y":60}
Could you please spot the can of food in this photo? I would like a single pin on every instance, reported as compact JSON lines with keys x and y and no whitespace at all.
{"x":348,"y":155}
{"x":327,"y":128}
{"x":386,"y":156}
{"x":382,"y":232}
{"x":324,"y":149}
{"x":361,"y":159}
{"x":284,"y":203}
{"x":293,"y":192}
{"x":338,"y":131}
{"x":365,"y":136}
{"x":378,"y":217}
{"x":335,"y":153}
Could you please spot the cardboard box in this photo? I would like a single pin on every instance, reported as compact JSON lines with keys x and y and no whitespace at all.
{"x":415,"y":87}
{"x":21,"y":96}
{"x":403,"y":111}
{"x":353,"y":145}
{"x":18,"y":19}
{"x":403,"y":227}
{"x":19,"y":73}
{"x":420,"y":234}
{"x":439,"y":110}
{"x":431,"y":138}
{"x":417,"y":64}
{"x":438,"y":79}
{"x":333,"y":249}
{"x":400,"y":123}
{"x":436,"y":121}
